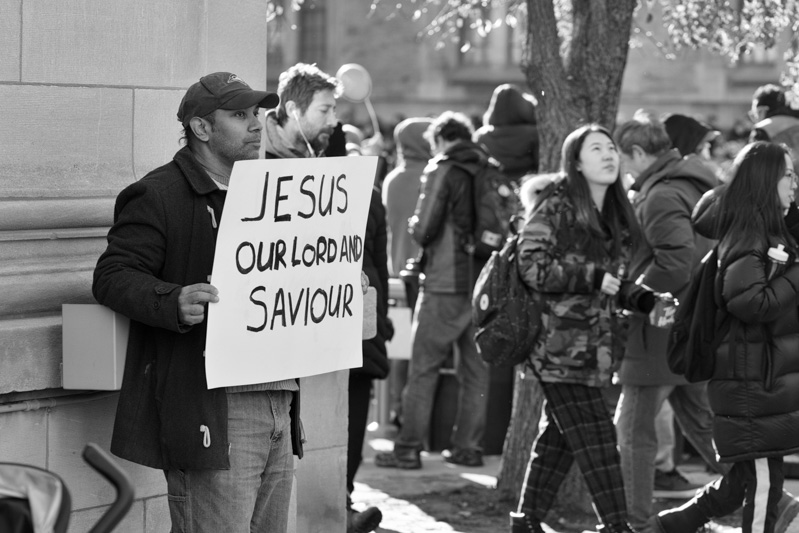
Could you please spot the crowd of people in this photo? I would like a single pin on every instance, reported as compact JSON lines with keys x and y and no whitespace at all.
{"x":619,"y":218}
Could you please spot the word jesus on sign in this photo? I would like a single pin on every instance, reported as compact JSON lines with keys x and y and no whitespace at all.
{"x":288,"y":270}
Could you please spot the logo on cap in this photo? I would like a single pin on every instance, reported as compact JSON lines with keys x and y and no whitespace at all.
{"x":234,"y":78}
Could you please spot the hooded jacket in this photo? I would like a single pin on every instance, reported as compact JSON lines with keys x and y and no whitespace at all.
{"x":687,"y":134}
{"x":277,"y":145}
{"x":444,"y":218}
{"x":665,"y":196}
{"x":754,"y":391}
{"x":509,"y":132}
{"x":401,"y":189}
{"x":582,"y":336}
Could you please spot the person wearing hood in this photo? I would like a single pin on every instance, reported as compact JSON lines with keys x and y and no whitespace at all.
{"x":400,"y":193}
{"x":302,"y":124}
{"x":401,"y":188}
{"x":666,"y":188}
{"x":690,"y":136}
{"x":509,"y":132}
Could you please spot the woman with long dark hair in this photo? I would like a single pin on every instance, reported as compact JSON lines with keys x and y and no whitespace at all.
{"x":754,"y":391}
{"x":574,"y":249}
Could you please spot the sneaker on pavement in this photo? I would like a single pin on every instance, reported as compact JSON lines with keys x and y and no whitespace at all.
{"x":391,"y":460}
{"x":673,"y":485}
{"x":364,"y":521}
{"x":463,"y":457}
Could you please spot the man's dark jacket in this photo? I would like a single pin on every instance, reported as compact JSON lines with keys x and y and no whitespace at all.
{"x":163,"y":239}
{"x":665,"y":196}
{"x":375,"y":266}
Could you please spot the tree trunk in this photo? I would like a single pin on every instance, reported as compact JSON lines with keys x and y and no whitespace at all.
{"x":575,"y":82}
{"x":525,"y":414}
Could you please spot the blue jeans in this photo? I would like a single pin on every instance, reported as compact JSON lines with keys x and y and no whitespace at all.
{"x":664,"y":429}
{"x":635,"y":428}
{"x":254,"y":495}
{"x":440,"y":321}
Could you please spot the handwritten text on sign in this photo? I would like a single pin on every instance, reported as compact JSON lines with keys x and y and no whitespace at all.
{"x":288,"y":269}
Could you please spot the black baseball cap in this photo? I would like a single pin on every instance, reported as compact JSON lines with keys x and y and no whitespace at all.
{"x":221,"y":90}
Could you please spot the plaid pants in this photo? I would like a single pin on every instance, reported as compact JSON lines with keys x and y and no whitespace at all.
{"x":576,"y":426}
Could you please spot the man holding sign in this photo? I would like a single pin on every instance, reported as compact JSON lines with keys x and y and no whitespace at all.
{"x":226,"y":452}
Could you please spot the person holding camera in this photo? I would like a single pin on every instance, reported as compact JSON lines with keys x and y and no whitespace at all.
{"x":666,"y":189}
{"x":574,"y":248}
{"x":443,"y":316}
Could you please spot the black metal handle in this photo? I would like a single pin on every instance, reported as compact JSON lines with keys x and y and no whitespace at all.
{"x":103,"y":463}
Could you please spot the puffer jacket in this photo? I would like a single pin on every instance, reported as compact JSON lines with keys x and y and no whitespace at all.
{"x":582,"y":339}
{"x":444,"y":218}
{"x":754,"y":391}
{"x":665,"y":195}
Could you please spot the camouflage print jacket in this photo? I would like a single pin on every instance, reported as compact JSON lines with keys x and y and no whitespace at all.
{"x":582,"y":339}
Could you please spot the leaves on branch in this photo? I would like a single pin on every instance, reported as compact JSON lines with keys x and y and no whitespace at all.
{"x":727,"y":27}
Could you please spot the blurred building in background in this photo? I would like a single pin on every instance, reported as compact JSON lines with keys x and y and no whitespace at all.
{"x":424,"y":76}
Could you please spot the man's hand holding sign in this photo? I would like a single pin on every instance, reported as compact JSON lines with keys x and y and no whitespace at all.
{"x":287,"y":269}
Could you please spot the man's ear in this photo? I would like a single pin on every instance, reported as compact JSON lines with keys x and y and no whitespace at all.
{"x":291,"y":109}
{"x":199,"y":128}
{"x":637,"y":152}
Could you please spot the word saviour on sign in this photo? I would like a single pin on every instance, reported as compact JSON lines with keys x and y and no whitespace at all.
{"x":288,"y":269}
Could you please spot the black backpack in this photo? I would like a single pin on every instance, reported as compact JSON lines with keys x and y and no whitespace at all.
{"x":506,"y":312}
{"x":495,"y":204}
{"x":699,"y":324}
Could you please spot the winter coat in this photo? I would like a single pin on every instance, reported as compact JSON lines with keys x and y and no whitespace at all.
{"x":159,"y":223}
{"x":444,"y":217}
{"x":375,"y":259}
{"x":754,"y":392}
{"x":582,"y":339}
{"x":665,"y":196}
{"x":401,"y":189}
{"x":509,"y":132}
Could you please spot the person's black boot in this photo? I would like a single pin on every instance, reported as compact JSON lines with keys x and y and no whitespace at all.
{"x":521,"y":523}
{"x":684,"y":519}
{"x":364,"y":521}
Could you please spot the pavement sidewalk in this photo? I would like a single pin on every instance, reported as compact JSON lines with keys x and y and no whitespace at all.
{"x":388,"y":489}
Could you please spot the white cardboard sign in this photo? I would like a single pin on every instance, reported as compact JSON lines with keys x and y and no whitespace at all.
{"x":288,"y":269}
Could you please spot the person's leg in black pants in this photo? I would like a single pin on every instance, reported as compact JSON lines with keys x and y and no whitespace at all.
{"x":360,"y":395}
